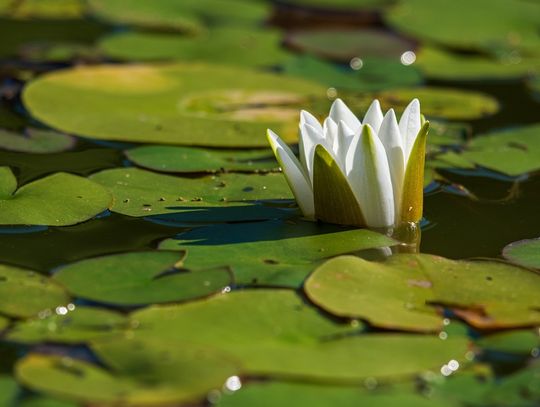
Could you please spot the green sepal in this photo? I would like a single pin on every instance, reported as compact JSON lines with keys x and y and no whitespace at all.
{"x":334,"y":199}
{"x":412,"y":203}
{"x":8,"y":183}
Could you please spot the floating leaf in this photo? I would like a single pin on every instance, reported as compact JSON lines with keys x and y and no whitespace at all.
{"x":4,"y":322}
{"x":439,"y":64}
{"x":524,"y":252}
{"x":71,"y":325}
{"x":46,"y":9}
{"x":352,"y":43}
{"x":24,"y":293}
{"x":187,"y":376}
{"x":280,"y":253}
{"x":140,"y":278}
{"x":204,"y":105}
{"x":36,"y":141}
{"x":512,"y":152}
{"x":439,"y":102}
{"x":8,"y":390}
{"x":228,"y":45}
{"x":282,"y":336}
{"x":397,"y":294}
{"x":191,"y":159}
{"x":44,"y":402}
{"x":222,"y":197}
{"x":520,"y":341}
{"x":507,"y":26}
{"x":59,"y":199}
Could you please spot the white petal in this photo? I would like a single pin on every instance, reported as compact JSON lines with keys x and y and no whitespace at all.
{"x":374,"y":116}
{"x":409,"y":125}
{"x":345,"y":136}
{"x":309,"y":138}
{"x":330,"y":129}
{"x":370,"y":179}
{"x":306,"y":117}
{"x":294,"y":173}
{"x":392,"y":141}
{"x":340,"y":111}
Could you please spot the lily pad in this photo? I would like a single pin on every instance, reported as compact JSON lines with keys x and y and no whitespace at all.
{"x":36,"y":141}
{"x":191,"y":159}
{"x":375,"y":73}
{"x":45,"y":9}
{"x":398,"y":293}
{"x":8,"y":390}
{"x":524,"y":252}
{"x":187,"y":376}
{"x":4,"y":322}
{"x":508,"y":25}
{"x":213,"y":198}
{"x":341,"y":5}
{"x":278,"y":253}
{"x":512,"y":152}
{"x":196,"y":104}
{"x":140,"y":278}
{"x":440,"y":64}
{"x":44,"y":402}
{"x":353,"y":43}
{"x":520,"y":341}
{"x":69,"y":324}
{"x":25,"y":293}
{"x":60,"y":199}
{"x":228,"y":45}
{"x":281,"y":336}
{"x":436,"y":102}
{"x":273,"y":394}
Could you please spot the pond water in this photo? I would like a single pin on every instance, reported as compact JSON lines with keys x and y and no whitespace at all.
{"x":151,"y":253}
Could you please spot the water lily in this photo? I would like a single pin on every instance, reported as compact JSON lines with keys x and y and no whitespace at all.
{"x":364,"y":173}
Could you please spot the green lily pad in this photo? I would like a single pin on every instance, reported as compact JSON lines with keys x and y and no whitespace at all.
{"x":375,"y":74}
{"x":191,"y":159}
{"x":187,"y":15}
{"x":524,"y":252}
{"x":512,"y":152}
{"x":45,"y":9}
{"x":204,"y":105}
{"x":520,"y":341}
{"x":4,"y":322}
{"x":45,"y":402}
{"x":187,"y":375}
{"x":436,"y":102}
{"x":278,"y":253}
{"x":353,"y":43}
{"x":281,"y":336}
{"x":25,"y":293}
{"x":222,"y":197}
{"x":439,"y":64}
{"x":228,"y":45}
{"x":140,"y":278}
{"x":274,"y":394}
{"x":60,"y":199}
{"x":36,"y":141}
{"x":8,"y":390}
{"x":508,"y":25}
{"x":398,"y":293}
{"x":70,"y":325}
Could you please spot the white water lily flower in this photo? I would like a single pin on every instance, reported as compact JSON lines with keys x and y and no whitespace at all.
{"x":368,"y":173}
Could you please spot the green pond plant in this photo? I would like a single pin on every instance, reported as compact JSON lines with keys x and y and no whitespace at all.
{"x":360,"y":173}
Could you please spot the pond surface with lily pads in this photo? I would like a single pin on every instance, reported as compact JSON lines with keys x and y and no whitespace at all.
{"x":152,"y":253}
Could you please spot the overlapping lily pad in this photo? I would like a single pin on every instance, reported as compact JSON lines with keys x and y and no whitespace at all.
{"x":282,"y":336}
{"x":25,"y":293}
{"x":187,"y":15}
{"x":143,"y":379}
{"x":513,"y":152}
{"x":524,"y":252}
{"x":36,"y":141}
{"x":446,"y":103}
{"x":352,"y":43}
{"x":215,"y":198}
{"x":439,"y":64}
{"x":191,"y":159}
{"x":140,"y":278}
{"x":278,"y":253}
{"x":235,"y":46}
{"x":195,"y":104}
{"x":69,"y":324}
{"x":508,"y":25}
{"x":399,"y":293}
{"x":519,"y":341}
{"x":60,"y":199}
